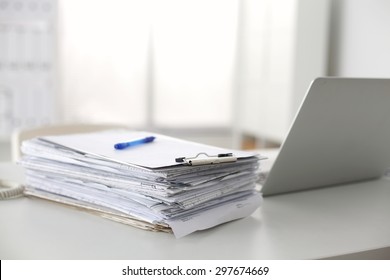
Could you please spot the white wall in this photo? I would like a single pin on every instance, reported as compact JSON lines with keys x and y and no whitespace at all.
{"x":293,"y":48}
{"x":284,"y":47}
{"x":360,"y":42}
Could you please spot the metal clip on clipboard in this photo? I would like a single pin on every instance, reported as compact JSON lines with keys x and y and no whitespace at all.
{"x":203,"y":158}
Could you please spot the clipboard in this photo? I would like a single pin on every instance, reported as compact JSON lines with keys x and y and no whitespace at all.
{"x":162,"y":153}
{"x":204,"y":159}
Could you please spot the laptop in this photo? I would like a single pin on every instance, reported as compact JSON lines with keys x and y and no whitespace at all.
{"x":340,"y":134}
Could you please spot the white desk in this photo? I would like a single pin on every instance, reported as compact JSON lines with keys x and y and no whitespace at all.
{"x":352,"y":219}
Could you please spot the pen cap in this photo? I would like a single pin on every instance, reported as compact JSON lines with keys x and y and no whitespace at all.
{"x":149,"y":139}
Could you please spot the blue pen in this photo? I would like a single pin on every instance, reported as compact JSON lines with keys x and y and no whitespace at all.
{"x":124,"y":145}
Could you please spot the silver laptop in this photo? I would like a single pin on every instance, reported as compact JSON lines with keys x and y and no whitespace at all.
{"x":341,"y":134}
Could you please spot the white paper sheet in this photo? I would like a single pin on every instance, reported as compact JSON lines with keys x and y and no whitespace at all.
{"x":215,"y":216}
{"x":162,"y":152}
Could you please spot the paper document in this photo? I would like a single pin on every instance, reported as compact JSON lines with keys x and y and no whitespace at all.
{"x":161,"y":153}
{"x":149,"y":186}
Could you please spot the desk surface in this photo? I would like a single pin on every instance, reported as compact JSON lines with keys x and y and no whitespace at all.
{"x":312,"y":224}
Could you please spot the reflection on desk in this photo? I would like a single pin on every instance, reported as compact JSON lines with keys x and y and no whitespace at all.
{"x":350,"y":220}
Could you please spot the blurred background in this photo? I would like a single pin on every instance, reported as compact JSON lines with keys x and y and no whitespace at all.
{"x":230,"y":73}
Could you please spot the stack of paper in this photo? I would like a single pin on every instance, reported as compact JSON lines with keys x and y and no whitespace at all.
{"x":151,"y":186}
